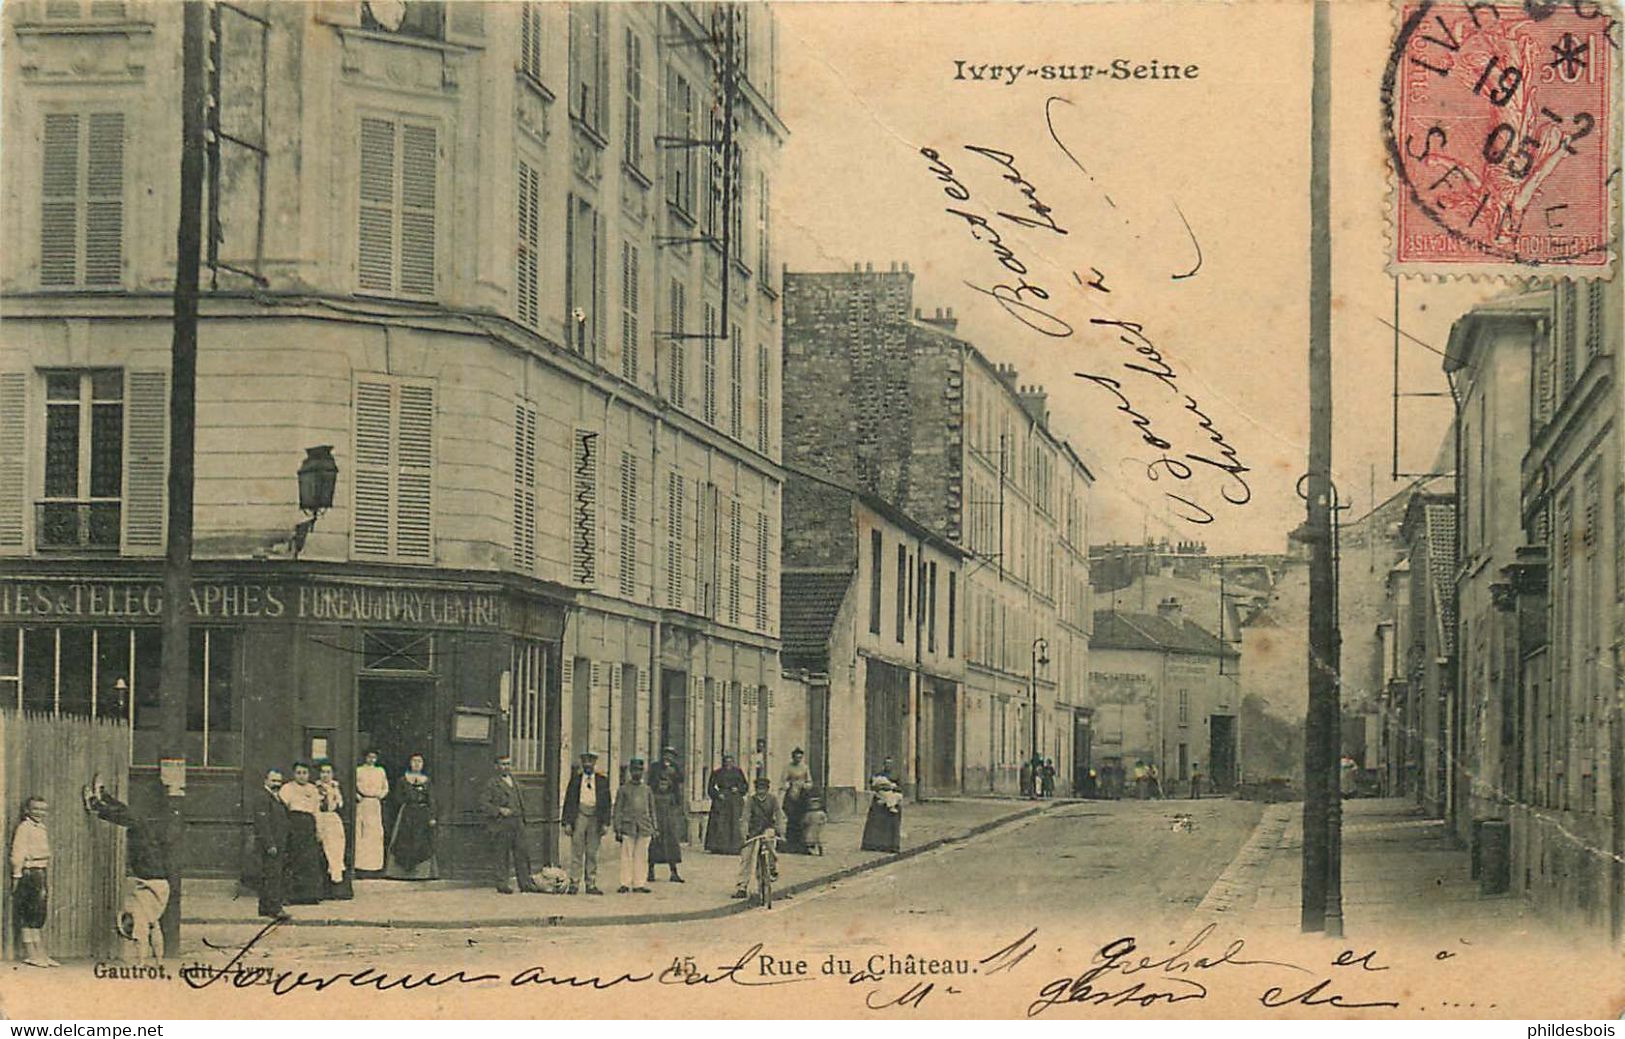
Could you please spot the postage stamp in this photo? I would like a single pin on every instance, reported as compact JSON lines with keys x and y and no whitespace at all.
{"x":1497,"y":118}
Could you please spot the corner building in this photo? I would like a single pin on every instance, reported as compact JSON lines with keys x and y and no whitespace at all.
{"x":490,"y":253}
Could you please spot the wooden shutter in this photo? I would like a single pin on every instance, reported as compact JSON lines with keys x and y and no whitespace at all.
{"x":629,"y":312}
{"x":59,"y":201}
{"x":414,"y":476}
{"x":372,"y":469}
{"x":418,"y":162}
{"x":629,"y":524}
{"x":764,"y":377}
{"x":530,"y":40}
{"x":376,"y":249}
{"x":675,"y":498}
{"x":13,"y":460}
{"x":734,"y":539}
{"x":528,"y":233}
{"x":146,"y":458}
{"x":709,"y":401}
{"x":679,"y":347}
{"x":600,"y":285}
{"x":761,"y":571}
{"x":736,"y":377}
{"x":584,"y":507}
{"x":104,"y":200}
{"x":524,"y":486}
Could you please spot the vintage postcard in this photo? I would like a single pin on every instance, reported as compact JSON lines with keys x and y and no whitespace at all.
{"x":880,"y":511}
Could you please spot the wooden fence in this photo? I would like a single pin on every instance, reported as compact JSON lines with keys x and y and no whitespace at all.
{"x":54,"y":758}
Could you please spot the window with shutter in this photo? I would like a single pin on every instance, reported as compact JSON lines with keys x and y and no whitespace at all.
{"x":530,"y":41}
{"x":527,"y":258}
{"x":584,"y":507}
{"x":398,"y":176}
{"x":524,"y":486}
{"x":588,"y":68}
{"x":764,"y":376}
{"x":583,"y":276}
{"x":146,"y":462}
{"x":676,"y":370}
{"x":709,"y":371}
{"x":630,"y":346}
{"x":762,"y":534}
{"x":734,"y":538}
{"x":634,"y":99}
{"x":82,"y":200}
{"x":736,"y":375}
{"x":13,"y":460}
{"x":681,"y":162}
{"x":629,"y":524}
{"x":1568,"y":317}
{"x":675,"y":500}
{"x":394,"y":470}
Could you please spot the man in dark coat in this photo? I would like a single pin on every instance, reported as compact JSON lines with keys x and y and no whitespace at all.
{"x":271,"y":832}
{"x":503,"y":805}
{"x":587,"y":807}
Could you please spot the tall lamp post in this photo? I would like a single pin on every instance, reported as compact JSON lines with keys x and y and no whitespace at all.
{"x":1040,"y":659}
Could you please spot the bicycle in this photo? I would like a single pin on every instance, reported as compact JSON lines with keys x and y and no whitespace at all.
{"x":765,"y":866}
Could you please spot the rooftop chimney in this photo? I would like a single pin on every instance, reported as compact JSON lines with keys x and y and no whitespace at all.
{"x":1170,"y":611}
{"x":943,"y":319}
{"x":1007,"y":374}
{"x":1035,"y":402}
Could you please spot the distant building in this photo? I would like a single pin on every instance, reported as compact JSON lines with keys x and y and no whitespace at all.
{"x":1165,"y":691}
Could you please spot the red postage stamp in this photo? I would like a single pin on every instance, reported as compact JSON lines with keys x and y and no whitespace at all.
{"x":1499,"y":130}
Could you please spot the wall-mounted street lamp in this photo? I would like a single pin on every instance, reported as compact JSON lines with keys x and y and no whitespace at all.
{"x":318,"y":475}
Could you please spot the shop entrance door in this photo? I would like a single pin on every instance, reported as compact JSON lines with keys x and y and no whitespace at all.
{"x":396,"y":717}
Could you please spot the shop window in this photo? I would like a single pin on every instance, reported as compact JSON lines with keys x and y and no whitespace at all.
{"x":11,"y":671}
{"x":397,"y":651}
{"x":527,"y":713}
{"x":212,"y":722}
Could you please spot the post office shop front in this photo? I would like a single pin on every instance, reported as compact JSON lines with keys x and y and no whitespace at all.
{"x":284,"y":670}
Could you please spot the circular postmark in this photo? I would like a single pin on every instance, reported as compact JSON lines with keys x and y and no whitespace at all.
{"x":1496,"y":117}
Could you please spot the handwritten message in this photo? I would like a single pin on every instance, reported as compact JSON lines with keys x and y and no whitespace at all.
{"x":1186,"y":439}
{"x":1115,"y":976}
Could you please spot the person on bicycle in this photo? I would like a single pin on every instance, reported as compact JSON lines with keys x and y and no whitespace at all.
{"x":762,"y":816}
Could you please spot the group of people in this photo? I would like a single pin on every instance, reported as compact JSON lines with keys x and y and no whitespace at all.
{"x":300,"y":837}
{"x":647,"y":816}
{"x":1038,"y":777}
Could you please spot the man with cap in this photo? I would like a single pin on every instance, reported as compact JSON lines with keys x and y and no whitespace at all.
{"x":634,"y":827}
{"x":503,"y":806}
{"x":586,"y":816}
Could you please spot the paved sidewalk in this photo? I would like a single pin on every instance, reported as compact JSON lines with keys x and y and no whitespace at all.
{"x":709,"y":881}
{"x":1402,"y":873}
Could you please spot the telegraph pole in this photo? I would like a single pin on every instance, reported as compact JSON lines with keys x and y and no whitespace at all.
{"x":174,"y":676}
{"x":1320,"y":723}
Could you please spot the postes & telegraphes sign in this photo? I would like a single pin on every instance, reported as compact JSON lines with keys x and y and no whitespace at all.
{"x":44,"y":600}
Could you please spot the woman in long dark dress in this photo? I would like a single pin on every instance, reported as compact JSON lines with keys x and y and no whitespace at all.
{"x":411,"y":845}
{"x":883,"y":829}
{"x":727,"y":789}
{"x":306,"y":883}
{"x":797,"y":783}
{"x":671,"y":819}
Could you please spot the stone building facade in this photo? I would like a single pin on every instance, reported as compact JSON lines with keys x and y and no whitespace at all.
{"x":882,"y":398}
{"x":466,"y":254}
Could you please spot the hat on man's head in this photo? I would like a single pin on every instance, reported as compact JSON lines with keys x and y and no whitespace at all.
{"x":763,"y":783}
{"x":635,"y":763}
{"x":590,"y":754}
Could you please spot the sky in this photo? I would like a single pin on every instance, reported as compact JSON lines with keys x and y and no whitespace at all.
{"x":1140,"y":174}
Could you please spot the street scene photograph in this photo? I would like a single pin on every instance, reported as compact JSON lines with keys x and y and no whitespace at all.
{"x":872,"y":510}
